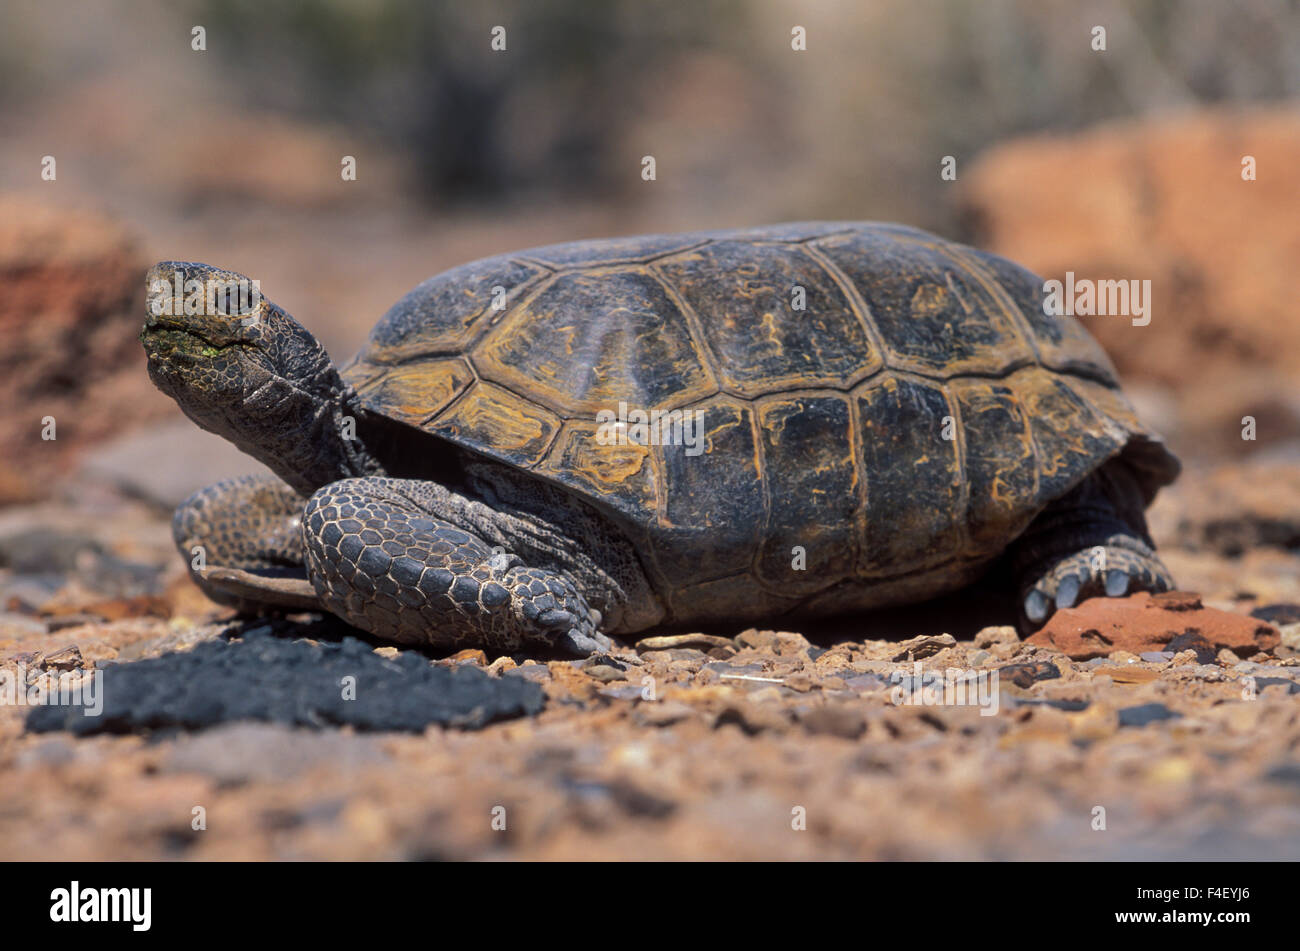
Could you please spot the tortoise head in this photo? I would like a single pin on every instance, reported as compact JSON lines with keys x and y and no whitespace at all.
{"x":241,"y":367}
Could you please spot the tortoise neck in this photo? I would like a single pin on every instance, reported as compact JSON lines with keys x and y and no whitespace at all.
{"x":304,"y":429}
{"x":325,"y":446}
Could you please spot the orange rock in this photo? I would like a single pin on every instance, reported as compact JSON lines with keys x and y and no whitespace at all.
{"x":1128,"y":675}
{"x":116,"y":609}
{"x":1144,"y":622}
{"x":469,"y":656}
{"x":1165,"y":200}
{"x":68,"y":322}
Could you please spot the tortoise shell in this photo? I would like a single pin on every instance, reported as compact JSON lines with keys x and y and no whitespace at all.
{"x":909,"y":421}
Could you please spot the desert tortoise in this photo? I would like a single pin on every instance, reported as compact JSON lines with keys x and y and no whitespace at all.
{"x":848,"y":416}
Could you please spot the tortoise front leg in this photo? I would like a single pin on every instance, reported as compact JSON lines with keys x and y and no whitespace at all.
{"x":383,"y":556}
{"x":242,"y":541}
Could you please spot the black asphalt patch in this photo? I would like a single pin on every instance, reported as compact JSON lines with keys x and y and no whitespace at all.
{"x":271,"y":679}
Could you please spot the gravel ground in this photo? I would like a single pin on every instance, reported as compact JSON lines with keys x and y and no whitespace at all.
{"x":766,"y":744}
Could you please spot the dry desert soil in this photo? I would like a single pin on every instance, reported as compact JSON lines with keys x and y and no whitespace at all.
{"x":1163,"y":727}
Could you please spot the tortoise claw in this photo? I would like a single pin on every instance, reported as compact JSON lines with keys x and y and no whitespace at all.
{"x":556,"y":617}
{"x":1067,"y":593}
{"x":267,"y":587}
{"x":1036,"y":606}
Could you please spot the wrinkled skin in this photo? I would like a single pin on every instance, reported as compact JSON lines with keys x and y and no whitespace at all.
{"x":258,"y":379}
{"x":383,"y":554}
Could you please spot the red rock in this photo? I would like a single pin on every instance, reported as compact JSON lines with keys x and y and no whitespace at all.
{"x":1219,"y":252}
{"x":1142,"y":622}
{"x":1205,"y":651}
{"x":72,"y":307}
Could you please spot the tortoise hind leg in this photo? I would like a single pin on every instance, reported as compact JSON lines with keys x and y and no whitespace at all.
{"x":242,"y":540}
{"x":385,"y":555}
{"x":1090,"y":542}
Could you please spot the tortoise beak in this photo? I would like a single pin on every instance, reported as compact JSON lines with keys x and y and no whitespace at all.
{"x":217,"y":307}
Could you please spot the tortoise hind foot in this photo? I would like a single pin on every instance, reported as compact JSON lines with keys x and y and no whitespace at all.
{"x":1092,"y":541}
{"x":242,"y":541}
{"x":382,"y":555}
{"x":1118,"y":565}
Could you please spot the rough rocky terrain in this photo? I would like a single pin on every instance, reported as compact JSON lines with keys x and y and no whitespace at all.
{"x":1163,"y":727}
{"x":768,"y":744}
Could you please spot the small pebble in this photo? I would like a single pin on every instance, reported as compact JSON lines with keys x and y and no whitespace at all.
{"x":1145,"y":713}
